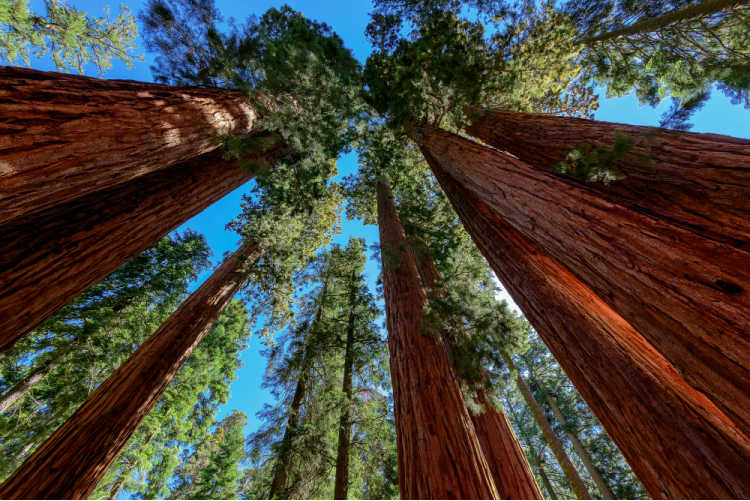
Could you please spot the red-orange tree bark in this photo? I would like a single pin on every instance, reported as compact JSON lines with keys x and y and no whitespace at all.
{"x":71,"y":462}
{"x":511,"y":471}
{"x":700,"y":181}
{"x":63,"y":136}
{"x":439,"y":455}
{"x":679,"y":444}
{"x":50,"y":257}
{"x":688,"y":295}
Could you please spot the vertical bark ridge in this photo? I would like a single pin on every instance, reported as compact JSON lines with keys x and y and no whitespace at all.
{"x":51,"y":257}
{"x":679,"y":444}
{"x":688,"y":295}
{"x":699,"y":181}
{"x":64,"y":136}
{"x":439,"y":455}
{"x":507,"y":461}
{"x":69,"y":464}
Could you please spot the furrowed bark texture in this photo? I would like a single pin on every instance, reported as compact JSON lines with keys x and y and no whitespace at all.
{"x":69,"y":464}
{"x":689,"y":296}
{"x":575,"y":480}
{"x":679,"y":444}
{"x":341,"y":485}
{"x":439,"y":455}
{"x":51,"y":257}
{"x":63,"y":136}
{"x":511,"y":471}
{"x":601,"y":484}
{"x":698,"y":181}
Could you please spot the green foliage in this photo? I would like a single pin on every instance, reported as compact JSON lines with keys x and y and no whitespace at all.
{"x":596,"y":164}
{"x":91,"y":337}
{"x":69,"y":36}
{"x":306,"y":362}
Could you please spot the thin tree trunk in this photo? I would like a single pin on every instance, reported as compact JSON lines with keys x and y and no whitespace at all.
{"x":689,"y":296}
{"x":49,"y":258}
{"x":439,"y":454}
{"x":677,"y":441}
{"x":649,"y":24}
{"x":341,"y":486}
{"x":601,"y":484}
{"x":65,"y":136}
{"x":698,"y":181}
{"x":281,"y":469}
{"x":511,"y":471}
{"x":70,"y":463}
{"x":576,"y":482}
{"x":546,"y":482}
{"x":32,"y":378}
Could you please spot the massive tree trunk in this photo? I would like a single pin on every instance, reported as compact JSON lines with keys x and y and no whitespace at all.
{"x":439,"y":455}
{"x":689,"y":296}
{"x":341,"y":486}
{"x":50,"y":258}
{"x":601,"y":484}
{"x":510,"y":469}
{"x":64,"y":136}
{"x":33,"y":377}
{"x":648,"y":24}
{"x":575,"y":480}
{"x":698,"y":181}
{"x":679,"y":444}
{"x":69,"y":464}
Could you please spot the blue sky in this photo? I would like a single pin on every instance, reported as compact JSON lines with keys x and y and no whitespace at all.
{"x":349,"y":18}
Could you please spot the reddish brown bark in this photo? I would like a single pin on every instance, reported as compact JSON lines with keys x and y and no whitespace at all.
{"x":687,"y":295}
{"x":679,"y":444}
{"x":699,"y":181}
{"x":51,"y":257}
{"x":71,"y":462}
{"x":511,"y":471}
{"x":64,"y":136}
{"x":439,"y":455}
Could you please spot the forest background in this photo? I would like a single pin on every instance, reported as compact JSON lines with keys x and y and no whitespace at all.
{"x":348,"y":19}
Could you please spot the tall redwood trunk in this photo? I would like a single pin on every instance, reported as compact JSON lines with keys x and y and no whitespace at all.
{"x":574,"y":478}
{"x":679,"y":444}
{"x":71,"y":462}
{"x":601,"y":484}
{"x":51,"y":257}
{"x":698,"y":181}
{"x":64,"y":136}
{"x":439,"y":455}
{"x":341,"y":485}
{"x":511,"y":471}
{"x":689,"y":296}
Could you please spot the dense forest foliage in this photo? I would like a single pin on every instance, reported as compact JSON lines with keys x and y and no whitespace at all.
{"x":436,"y":65}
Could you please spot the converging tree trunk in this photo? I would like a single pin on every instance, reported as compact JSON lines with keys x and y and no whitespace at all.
{"x":698,"y":181}
{"x":574,"y":478}
{"x":511,"y":471}
{"x":546,"y":482}
{"x":71,"y":462}
{"x":689,"y":296}
{"x":341,"y":486}
{"x":601,"y":484}
{"x":439,"y":455}
{"x":64,"y":136}
{"x":677,"y":441}
{"x":51,"y":257}
{"x":649,"y":24}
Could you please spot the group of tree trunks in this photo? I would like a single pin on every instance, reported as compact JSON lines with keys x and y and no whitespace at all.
{"x":639,"y":288}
